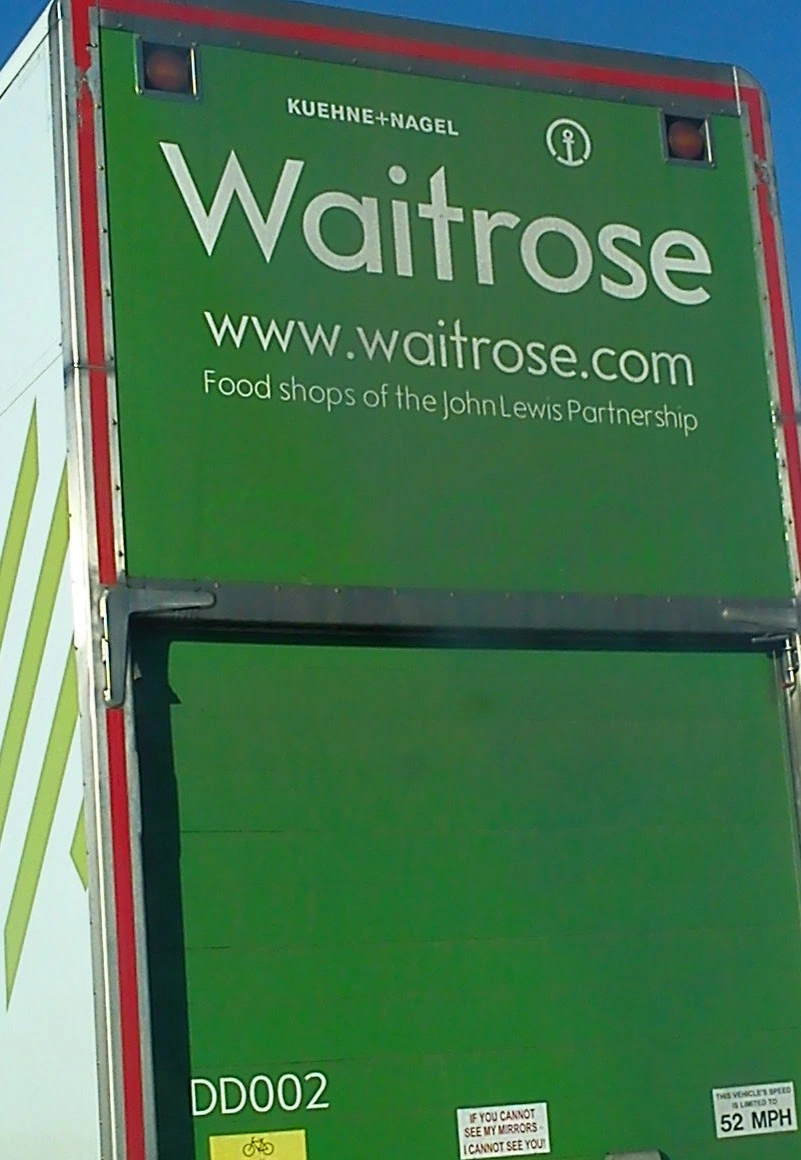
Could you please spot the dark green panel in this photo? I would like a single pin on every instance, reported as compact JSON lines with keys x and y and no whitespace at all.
{"x":566,"y":479}
{"x":461,"y":878}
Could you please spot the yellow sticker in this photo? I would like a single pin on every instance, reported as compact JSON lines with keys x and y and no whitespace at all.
{"x":259,"y":1146}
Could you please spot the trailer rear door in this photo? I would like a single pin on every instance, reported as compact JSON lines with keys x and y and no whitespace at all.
{"x":387,"y":883}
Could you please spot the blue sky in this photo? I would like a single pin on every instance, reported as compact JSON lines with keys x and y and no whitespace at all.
{"x":762,"y":36}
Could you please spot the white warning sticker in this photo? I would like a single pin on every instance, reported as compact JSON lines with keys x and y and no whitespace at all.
{"x":754,"y":1109}
{"x":503,"y":1130}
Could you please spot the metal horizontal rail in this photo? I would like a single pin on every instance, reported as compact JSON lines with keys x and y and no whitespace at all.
{"x":431,"y":608}
{"x":448,"y":617}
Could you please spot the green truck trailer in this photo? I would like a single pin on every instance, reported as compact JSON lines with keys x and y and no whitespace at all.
{"x":399,"y":559}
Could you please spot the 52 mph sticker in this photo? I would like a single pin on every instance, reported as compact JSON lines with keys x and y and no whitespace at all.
{"x":754,"y":1109}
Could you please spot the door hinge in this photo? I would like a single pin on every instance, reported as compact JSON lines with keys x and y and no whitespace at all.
{"x":790,"y":664}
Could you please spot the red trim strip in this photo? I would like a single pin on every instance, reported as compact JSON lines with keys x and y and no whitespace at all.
{"x":95,"y":341}
{"x":95,"y":354}
{"x":352,"y":38}
{"x":778,"y":314}
{"x":127,"y":967}
{"x":80,"y":35}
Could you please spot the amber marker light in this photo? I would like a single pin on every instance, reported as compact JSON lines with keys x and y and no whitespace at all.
{"x":687,"y":139}
{"x":168,"y":68}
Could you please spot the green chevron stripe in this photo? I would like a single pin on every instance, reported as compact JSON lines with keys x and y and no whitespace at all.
{"x":41,"y":823}
{"x":33,"y":650}
{"x":78,"y":853}
{"x":18,"y":521}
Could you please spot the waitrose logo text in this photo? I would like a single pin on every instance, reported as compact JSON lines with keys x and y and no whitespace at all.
{"x":673,"y":251}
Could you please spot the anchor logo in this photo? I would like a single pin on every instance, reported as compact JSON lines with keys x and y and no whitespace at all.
{"x":568,"y":142}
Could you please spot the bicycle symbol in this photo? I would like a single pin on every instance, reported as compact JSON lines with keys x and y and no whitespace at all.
{"x":257,"y":1146}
